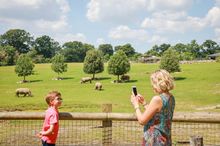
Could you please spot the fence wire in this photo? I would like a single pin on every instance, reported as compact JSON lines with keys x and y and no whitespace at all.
{"x":98,"y":132}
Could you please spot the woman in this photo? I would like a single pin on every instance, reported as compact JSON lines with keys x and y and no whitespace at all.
{"x":158,"y":114}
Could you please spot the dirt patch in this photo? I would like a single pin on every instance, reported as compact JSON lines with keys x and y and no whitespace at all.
{"x":209,"y":107}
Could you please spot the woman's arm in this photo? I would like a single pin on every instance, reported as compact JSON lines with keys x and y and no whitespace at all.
{"x":150,"y":110}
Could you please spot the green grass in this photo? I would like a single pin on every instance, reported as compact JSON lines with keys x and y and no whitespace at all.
{"x":197,"y":85}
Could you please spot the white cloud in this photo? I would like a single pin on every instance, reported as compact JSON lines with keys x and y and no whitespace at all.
{"x":169,"y":15}
{"x":213,"y":17}
{"x":100,"y":41}
{"x":156,"y":39}
{"x":93,"y":12}
{"x":217,"y":34}
{"x":114,"y":10}
{"x":125,"y":33}
{"x":35,"y":15}
{"x":70,"y":37}
{"x":57,"y":26}
{"x":6,"y":4}
{"x":167,"y":22}
{"x":174,"y":5}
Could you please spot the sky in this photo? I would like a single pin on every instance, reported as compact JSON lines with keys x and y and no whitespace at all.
{"x":142,"y":23}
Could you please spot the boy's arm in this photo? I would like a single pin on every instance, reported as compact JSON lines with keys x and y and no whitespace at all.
{"x":48,"y":132}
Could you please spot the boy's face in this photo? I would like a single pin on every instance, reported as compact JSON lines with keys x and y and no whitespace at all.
{"x":57,"y":101}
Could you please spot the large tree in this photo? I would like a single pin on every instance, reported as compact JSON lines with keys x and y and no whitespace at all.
{"x":158,"y":50}
{"x":127,"y":48}
{"x":36,"y":58}
{"x":195,"y":49}
{"x":153,"y":51}
{"x":210,"y":47}
{"x":182,"y":50}
{"x":93,"y":63}
{"x":24,"y":66}
{"x":170,"y":61}
{"x":118,"y":64}
{"x":8,"y":55}
{"x":46,"y":46}
{"x":58,"y":65}
{"x":106,"y":49}
{"x":75,"y":51}
{"x":18,"y":38}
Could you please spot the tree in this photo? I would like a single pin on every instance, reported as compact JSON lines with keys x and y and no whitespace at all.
{"x":24,"y":66}
{"x":153,"y":51}
{"x":210,"y":47}
{"x":163,"y":47}
{"x":8,"y":55}
{"x":46,"y":46}
{"x":158,"y":50}
{"x":170,"y":61}
{"x":106,"y":49}
{"x":37,"y":58}
{"x":118,"y":64}
{"x":127,"y":48}
{"x":75,"y":51}
{"x":136,"y":57}
{"x":195,"y":49}
{"x":18,"y":38}
{"x":182,"y":50}
{"x":93,"y":63}
{"x":58,"y":65}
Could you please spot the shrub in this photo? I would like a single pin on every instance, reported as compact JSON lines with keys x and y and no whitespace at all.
{"x":170,"y":61}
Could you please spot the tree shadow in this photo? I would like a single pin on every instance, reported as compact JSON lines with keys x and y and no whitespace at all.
{"x":62,"y":78}
{"x":179,"y":78}
{"x":131,"y":81}
{"x":33,"y":81}
{"x":102,"y":78}
{"x":121,"y":82}
{"x":67,"y":78}
{"x":100,"y":90}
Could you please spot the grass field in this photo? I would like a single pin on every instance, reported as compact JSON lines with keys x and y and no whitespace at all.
{"x":197,"y":87}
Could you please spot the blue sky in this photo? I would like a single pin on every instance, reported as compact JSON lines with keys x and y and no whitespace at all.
{"x":142,"y":23}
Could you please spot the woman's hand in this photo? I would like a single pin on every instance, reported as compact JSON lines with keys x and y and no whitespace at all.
{"x":134,"y":100}
{"x":141,"y":99}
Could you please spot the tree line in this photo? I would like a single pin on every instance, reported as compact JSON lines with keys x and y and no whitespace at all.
{"x":15,"y":42}
{"x":118,"y":64}
{"x":189,"y":51}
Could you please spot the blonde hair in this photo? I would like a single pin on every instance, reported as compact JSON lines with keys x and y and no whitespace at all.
{"x":162,"y":81}
{"x":51,"y":96}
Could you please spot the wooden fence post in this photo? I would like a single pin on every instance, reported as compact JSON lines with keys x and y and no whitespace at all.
{"x":196,"y":141}
{"x":107,"y":126}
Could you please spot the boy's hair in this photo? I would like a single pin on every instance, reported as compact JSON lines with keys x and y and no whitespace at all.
{"x":162,"y":81}
{"x":51,"y":96}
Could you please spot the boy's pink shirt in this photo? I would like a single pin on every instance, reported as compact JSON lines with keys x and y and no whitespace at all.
{"x":51,"y":117}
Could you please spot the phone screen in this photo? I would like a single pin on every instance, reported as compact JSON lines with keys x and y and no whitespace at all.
{"x":134,"y":90}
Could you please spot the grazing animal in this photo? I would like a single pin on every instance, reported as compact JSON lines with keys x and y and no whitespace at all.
{"x":23,"y":91}
{"x":86,"y":79}
{"x":98,"y":86}
{"x":125,"y":77}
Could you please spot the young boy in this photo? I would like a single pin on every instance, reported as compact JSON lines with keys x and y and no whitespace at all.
{"x":50,"y":128}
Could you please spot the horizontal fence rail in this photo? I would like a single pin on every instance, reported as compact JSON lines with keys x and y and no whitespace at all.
{"x":20,"y":128}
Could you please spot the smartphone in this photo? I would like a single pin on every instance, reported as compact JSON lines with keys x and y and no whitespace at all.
{"x":134,"y":90}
